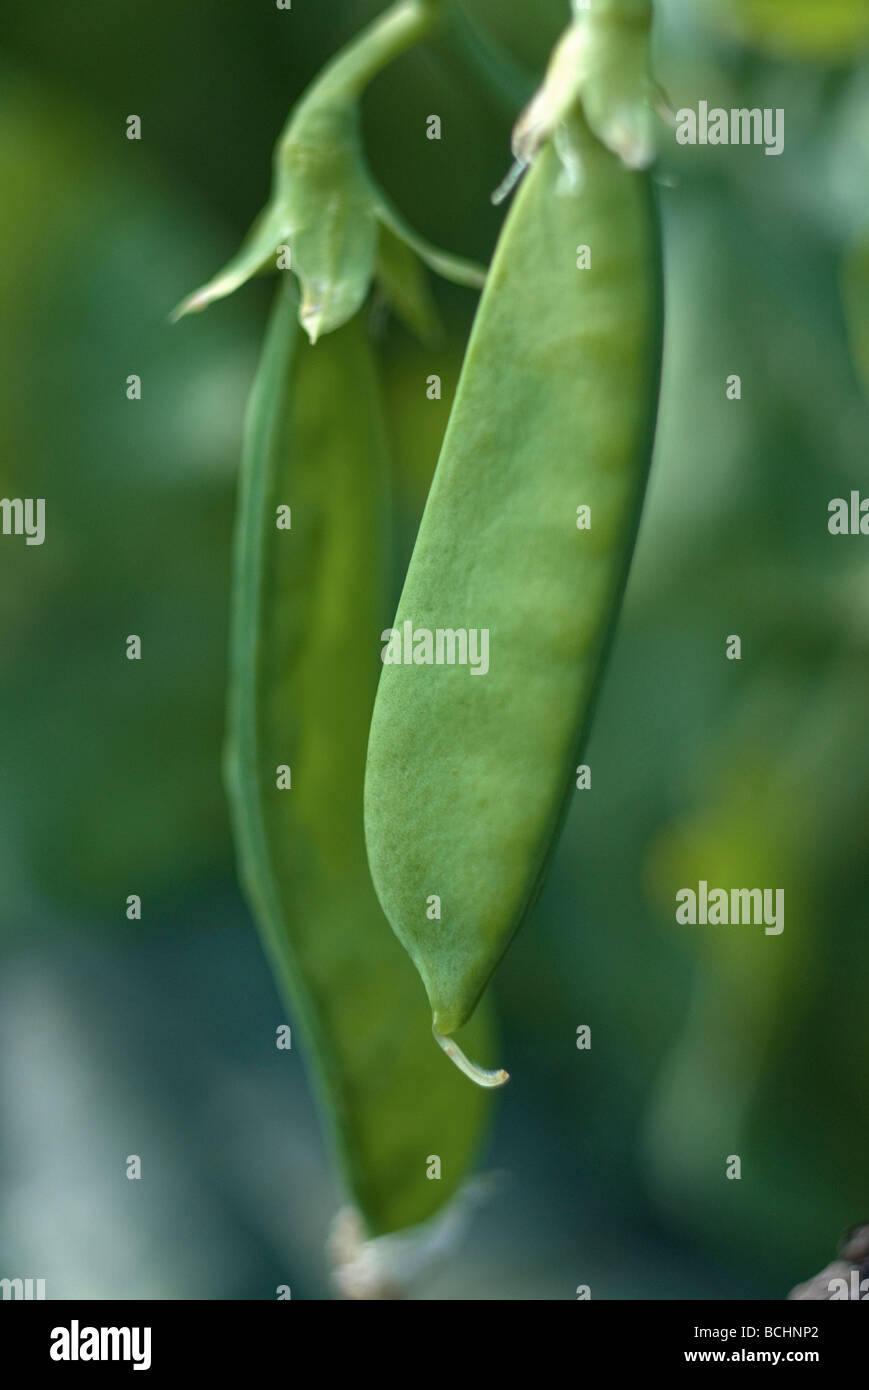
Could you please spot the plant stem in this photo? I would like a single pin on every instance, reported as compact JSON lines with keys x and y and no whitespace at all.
{"x":386,"y":38}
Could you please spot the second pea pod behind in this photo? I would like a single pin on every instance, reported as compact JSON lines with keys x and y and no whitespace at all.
{"x":308,"y":603}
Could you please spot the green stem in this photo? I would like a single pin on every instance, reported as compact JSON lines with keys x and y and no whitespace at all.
{"x":401,"y":26}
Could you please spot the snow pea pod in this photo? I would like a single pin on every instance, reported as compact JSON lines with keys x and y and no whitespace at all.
{"x":469,"y":771}
{"x":307,"y":603}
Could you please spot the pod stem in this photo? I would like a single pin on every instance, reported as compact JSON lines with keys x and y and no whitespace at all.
{"x":400,"y":27}
{"x":478,"y":1074}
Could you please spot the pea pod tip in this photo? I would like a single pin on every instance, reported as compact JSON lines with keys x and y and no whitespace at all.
{"x":480,"y":1075}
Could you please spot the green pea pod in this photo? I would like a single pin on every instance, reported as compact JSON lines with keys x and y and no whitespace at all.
{"x":308,"y":603}
{"x":470,"y":767}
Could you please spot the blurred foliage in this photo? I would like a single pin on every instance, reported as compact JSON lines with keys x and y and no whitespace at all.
{"x":706,"y":1041}
{"x":798,"y":28}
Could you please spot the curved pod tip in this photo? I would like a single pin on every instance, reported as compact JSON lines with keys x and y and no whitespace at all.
{"x":480,"y":1075}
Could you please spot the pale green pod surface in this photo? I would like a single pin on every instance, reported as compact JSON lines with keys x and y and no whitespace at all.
{"x":468,"y":773}
{"x":307,"y":612}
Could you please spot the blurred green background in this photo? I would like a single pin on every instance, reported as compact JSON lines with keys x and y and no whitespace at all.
{"x":157,"y":1037}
